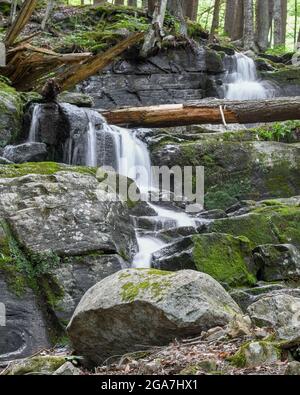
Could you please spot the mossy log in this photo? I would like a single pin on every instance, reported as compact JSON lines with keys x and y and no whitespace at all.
{"x":207,"y":112}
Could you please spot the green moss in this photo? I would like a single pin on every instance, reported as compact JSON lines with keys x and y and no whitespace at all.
{"x":224,"y":257}
{"x":149,"y":281}
{"x":38,"y":364}
{"x":43,"y":168}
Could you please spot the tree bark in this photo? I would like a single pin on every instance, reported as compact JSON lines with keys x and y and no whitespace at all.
{"x":191,"y":9}
{"x":207,"y":112}
{"x":262,"y":24}
{"x":248,"y":24}
{"x":278,"y":23}
{"x":119,"y":2}
{"x":176,"y":8}
{"x":216,"y":17}
{"x":234,"y":19}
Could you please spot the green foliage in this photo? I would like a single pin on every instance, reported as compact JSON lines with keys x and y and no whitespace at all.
{"x":279,"y":131}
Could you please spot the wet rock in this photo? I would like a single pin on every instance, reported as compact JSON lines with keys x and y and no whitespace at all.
{"x":76,"y":99}
{"x":28,"y":152}
{"x":146,"y":308}
{"x":4,"y":161}
{"x":277,"y":262}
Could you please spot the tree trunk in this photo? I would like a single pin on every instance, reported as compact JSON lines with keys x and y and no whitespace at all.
{"x":176,"y":8}
{"x":151,"y":6}
{"x":119,"y":2}
{"x":207,"y":112}
{"x":284,"y":14}
{"x":234,"y":19}
{"x":155,"y":33}
{"x":49,"y":9}
{"x":262,"y":24}
{"x":248,"y":24}
{"x":13,"y":11}
{"x":132,"y":3}
{"x":216,"y":17}
{"x":278,"y":23}
{"x":191,"y":9}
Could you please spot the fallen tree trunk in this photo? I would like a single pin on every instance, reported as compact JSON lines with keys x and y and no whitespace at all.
{"x":96,"y":63}
{"x":207,"y":112}
{"x":20,"y":22}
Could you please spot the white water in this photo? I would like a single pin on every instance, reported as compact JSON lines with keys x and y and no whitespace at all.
{"x":243,"y":83}
{"x":147,"y":246}
{"x":91,"y":151}
{"x":32,"y":138}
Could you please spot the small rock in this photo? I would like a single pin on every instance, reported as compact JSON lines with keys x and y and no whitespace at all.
{"x":67,"y":369}
{"x":28,"y":152}
{"x":255,"y":354}
{"x":293,"y":369}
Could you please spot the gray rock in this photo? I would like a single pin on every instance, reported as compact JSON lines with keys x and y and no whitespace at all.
{"x":279,"y":312}
{"x":133,"y":309}
{"x":28,"y":152}
{"x":75,"y":275}
{"x":292,"y":369}
{"x":10,"y":115}
{"x":67,"y":369}
{"x":256,"y":354}
{"x":67,"y":214}
{"x":4,"y":161}
{"x":76,"y":98}
{"x":25,"y":331}
{"x":277,"y":262}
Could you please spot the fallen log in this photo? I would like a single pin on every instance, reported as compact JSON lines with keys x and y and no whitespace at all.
{"x":20,"y":22}
{"x":212,"y":111}
{"x":92,"y":65}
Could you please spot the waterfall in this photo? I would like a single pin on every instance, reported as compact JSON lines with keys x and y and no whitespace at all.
{"x":242,"y":82}
{"x":32,"y":138}
{"x":91,"y":149}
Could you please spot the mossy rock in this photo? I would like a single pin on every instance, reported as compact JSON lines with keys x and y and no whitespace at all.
{"x":43,"y":168}
{"x":224,"y":257}
{"x":257,"y":353}
{"x":11,"y":113}
{"x":264,"y":225}
{"x":36,"y":365}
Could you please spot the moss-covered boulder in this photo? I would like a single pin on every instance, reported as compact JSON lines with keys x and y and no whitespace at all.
{"x":236,"y":170}
{"x":146,"y":308}
{"x":11,"y":111}
{"x":256,"y":353}
{"x":224,"y":257}
{"x":274,"y":224}
{"x":287,"y":80}
{"x":36,"y":366}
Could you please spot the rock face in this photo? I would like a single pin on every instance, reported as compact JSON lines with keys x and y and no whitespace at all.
{"x":28,"y":152}
{"x":172,"y":76}
{"x":61,"y":232}
{"x":136,"y":308}
{"x":280,"y":312}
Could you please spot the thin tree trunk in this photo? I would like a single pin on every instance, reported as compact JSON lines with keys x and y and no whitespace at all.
{"x":248,"y":24}
{"x":119,"y":2}
{"x":49,"y":9}
{"x":284,"y":14}
{"x":151,"y":6}
{"x":13,"y":11}
{"x":216,"y":17}
{"x":155,"y":32}
{"x":278,"y":23}
{"x":262,"y":24}
{"x":176,"y":7}
{"x":234,"y":19}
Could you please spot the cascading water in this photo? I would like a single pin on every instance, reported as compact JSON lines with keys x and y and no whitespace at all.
{"x":241,"y":81}
{"x":91,"y":150}
{"x":32,"y":138}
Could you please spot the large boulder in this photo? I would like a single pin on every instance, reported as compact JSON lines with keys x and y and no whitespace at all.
{"x":135,"y":308}
{"x":279,"y":312}
{"x":224,"y":257}
{"x":236,"y":170}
